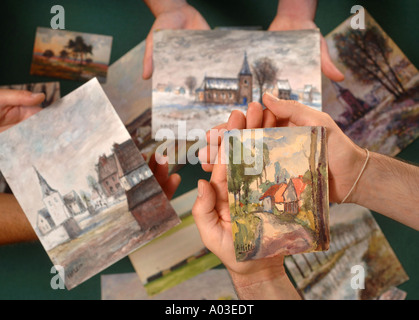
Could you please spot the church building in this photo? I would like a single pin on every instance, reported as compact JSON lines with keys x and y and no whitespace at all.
{"x":228,"y":90}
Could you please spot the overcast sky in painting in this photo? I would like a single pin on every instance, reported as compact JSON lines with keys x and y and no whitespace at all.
{"x":55,"y":40}
{"x":219,"y":53}
{"x":64,"y":142}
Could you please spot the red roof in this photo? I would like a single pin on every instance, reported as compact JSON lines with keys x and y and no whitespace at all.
{"x":276,"y":191}
{"x":299,"y":185}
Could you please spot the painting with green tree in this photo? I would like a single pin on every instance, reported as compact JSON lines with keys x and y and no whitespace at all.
{"x":278,"y":191}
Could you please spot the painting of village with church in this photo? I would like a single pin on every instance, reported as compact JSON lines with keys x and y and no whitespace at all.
{"x":84,"y":186}
{"x":282,"y":207}
{"x":199,"y":76}
{"x":377,"y":105}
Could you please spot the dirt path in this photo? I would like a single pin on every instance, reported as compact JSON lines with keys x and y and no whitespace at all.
{"x":277,"y":237}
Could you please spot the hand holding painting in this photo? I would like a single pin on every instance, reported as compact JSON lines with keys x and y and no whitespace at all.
{"x":178,"y":14}
{"x":170,"y":14}
{"x":299,"y":15}
{"x":16,"y":106}
{"x":383,"y":178}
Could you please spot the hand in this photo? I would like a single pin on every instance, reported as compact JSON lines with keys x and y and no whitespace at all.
{"x":254,"y":279}
{"x":283,"y":22}
{"x":344,"y":156}
{"x":169,"y":184}
{"x":180,"y":17}
{"x":18,"y":105}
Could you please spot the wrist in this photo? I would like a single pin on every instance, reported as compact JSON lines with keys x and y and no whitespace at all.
{"x":157,"y":7}
{"x":300,"y":10}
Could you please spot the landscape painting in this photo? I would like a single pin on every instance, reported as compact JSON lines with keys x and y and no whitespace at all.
{"x":50,"y":89}
{"x":356,"y":240}
{"x":277,"y":191}
{"x":176,"y":256}
{"x":70,"y":55}
{"x":83,"y":185}
{"x":214,"y":284}
{"x":377,"y":105}
{"x":200,"y":76}
{"x":130,"y":95}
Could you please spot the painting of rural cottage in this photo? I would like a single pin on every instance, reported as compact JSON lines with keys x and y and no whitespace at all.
{"x":70,"y":55}
{"x":200,"y":76}
{"x":377,"y":105}
{"x":278,"y":191}
{"x":83,"y":184}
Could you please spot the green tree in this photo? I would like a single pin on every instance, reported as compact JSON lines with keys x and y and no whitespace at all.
{"x":79,"y":48}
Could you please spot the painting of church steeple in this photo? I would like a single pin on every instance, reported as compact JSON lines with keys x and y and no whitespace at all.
{"x":57,"y":209}
{"x":245,"y":82}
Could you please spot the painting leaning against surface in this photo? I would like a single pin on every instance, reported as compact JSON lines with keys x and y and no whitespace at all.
{"x":200,"y":76}
{"x":356,"y":240}
{"x":70,"y":55}
{"x":278,"y":191}
{"x":377,"y":105}
{"x":82,"y":183}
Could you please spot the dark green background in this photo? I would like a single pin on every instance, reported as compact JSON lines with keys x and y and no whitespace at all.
{"x":25,"y":268}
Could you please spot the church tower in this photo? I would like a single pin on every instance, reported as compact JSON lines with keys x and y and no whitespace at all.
{"x":56,"y":207}
{"x":245,"y":83}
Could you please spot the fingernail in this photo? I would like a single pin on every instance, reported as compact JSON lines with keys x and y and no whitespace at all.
{"x":271,"y":96}
{"x":36,"y":94}
{"x":200,"y":189}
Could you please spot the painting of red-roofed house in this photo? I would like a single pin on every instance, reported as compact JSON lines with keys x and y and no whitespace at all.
{"x":278,"y":192}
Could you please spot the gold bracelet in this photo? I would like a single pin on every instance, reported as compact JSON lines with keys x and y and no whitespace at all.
{"x":359,"y":176}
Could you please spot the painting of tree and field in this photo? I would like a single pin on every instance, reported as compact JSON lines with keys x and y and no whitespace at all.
{"x":377,"y":105}
{"x":71,"y":55}
{"x":278,"y":191}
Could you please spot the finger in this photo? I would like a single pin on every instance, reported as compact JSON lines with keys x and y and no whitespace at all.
{"x":20,"y":98}
{"x":171,"y":185}
{"x":152,"y":163}
{"x":148,"y":57}
{"x":254,"y":115}
{"x":144,"y":156}
{"x":215,"y":135}
{"x":203,"y":210}
{"x":237,"y":120}
{"x":328,"y":67}
{"x":269,"y":119}
{"x":292,"y":111}
{"x":161,"y":173}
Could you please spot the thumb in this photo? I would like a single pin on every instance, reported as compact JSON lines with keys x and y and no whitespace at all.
{"x":20,"y":97}
{"x":203,"y":210}
{"x":328,"y":67}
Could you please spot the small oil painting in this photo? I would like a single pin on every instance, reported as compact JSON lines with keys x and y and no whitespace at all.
{"x":377,"y":105}
{"x":176,"y":256}
{"x":200,"y":76}
{"x":70,"y":55}
{"x":278,"y":191}
{"x":360,"y":264}
{"x":83,"y":185}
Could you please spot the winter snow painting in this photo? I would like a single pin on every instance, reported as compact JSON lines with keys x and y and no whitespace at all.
{"x":199,"y":77}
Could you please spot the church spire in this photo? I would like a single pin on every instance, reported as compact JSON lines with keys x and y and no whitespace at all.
{"x":245,"y":70}
{"x":46,"y":189}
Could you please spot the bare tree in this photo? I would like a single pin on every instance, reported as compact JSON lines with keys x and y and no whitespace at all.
{"x":265,"y":72}
{"x":190,"y":83}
